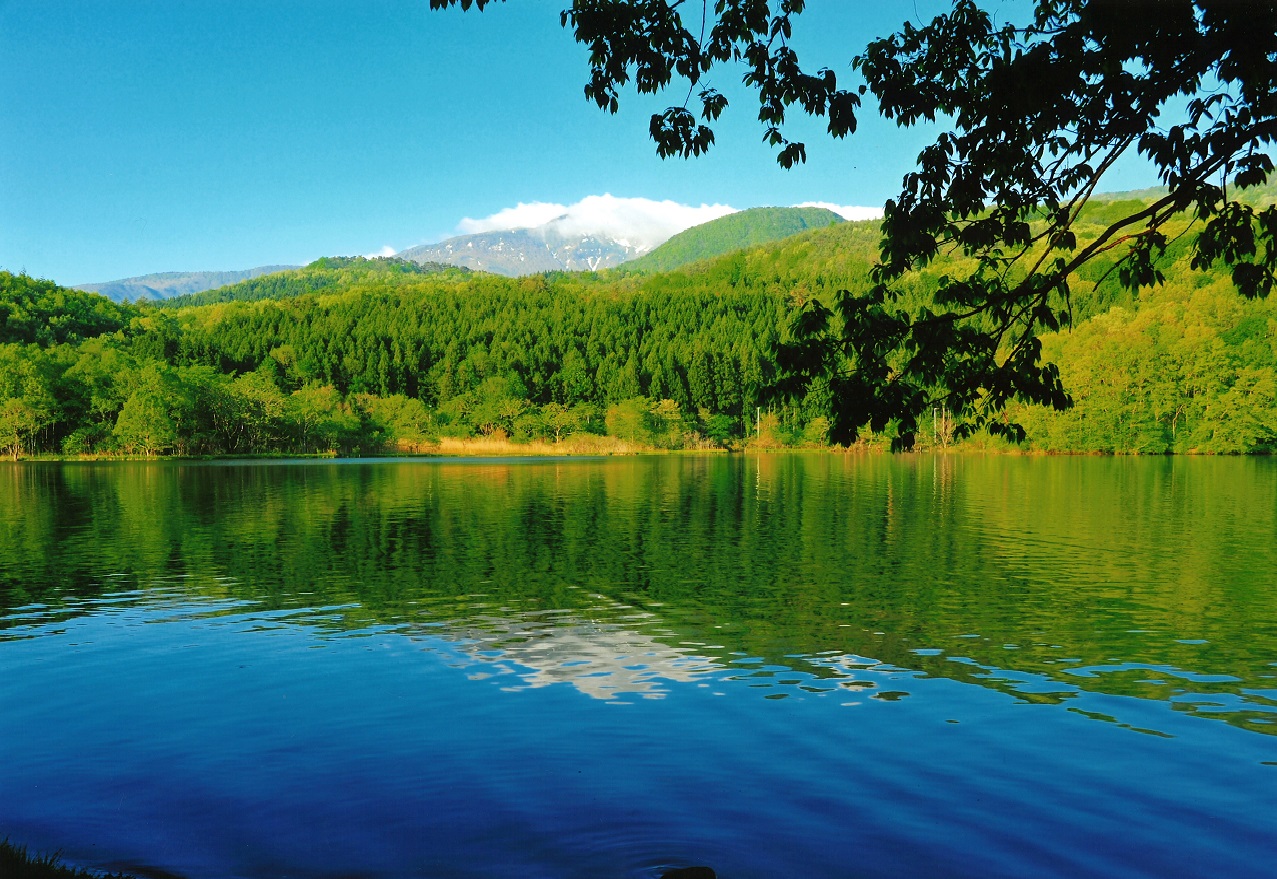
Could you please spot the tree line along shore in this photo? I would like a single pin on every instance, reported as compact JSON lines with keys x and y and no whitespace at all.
{"x":354,"y":356}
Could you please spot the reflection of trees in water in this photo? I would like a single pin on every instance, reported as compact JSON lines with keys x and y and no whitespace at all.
{"x":1048,"y":565}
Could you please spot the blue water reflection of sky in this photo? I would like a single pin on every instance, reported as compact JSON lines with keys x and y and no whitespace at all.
{"x":220,"y":740}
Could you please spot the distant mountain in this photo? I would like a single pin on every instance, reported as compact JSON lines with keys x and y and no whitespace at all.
{"x":515,"y":252}
{"x":550,"y":247}
{"x":165,"y":285}
{"x":733,"y":232}
{"x":554,"y":246}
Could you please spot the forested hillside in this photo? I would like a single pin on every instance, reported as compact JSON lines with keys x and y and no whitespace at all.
{"x":737,"y":231}
{"x":370,"y":356}
{"x":325,"y":275}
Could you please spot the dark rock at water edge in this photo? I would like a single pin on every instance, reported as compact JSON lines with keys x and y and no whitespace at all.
{"x":689,"y":873}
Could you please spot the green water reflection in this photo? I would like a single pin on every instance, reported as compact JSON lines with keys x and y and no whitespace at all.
{"x":1045,"y":578}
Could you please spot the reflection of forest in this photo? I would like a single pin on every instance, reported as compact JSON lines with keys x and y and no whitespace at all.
{"x":1041,"y":577}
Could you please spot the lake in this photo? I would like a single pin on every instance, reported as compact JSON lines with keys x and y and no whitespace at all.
{"x":779,"y":666}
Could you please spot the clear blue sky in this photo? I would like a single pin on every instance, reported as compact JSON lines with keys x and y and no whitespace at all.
{"x":155,"y":135}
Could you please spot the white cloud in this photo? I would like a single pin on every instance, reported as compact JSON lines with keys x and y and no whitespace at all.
{"x":385,"y":251}
{"x":847,"y":212}
{"x":521,"y":216}
{"x":641,"y":222}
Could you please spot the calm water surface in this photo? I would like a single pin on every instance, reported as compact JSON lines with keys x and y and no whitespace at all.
{"x":788,"y":666}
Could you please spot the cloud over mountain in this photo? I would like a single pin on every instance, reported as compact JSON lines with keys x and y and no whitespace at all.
{"x":639,"y":222}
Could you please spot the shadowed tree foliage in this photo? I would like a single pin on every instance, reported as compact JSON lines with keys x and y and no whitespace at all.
{"x":1033,"y":114}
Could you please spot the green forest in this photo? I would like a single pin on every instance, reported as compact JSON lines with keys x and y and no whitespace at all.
{"x":380,"y":356}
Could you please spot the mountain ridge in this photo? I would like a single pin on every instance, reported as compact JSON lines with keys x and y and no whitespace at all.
{"x":165,"y":285}
{"x":525,"y":251}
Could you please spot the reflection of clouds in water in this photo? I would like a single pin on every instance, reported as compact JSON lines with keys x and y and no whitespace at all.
{"x":604,"y":660}
{"x":614,"y":658}
{"x":601,"y":660}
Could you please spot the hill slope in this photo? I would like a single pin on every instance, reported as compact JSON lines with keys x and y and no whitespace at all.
{"x":325,"y":275}
{"x":733,"y":232}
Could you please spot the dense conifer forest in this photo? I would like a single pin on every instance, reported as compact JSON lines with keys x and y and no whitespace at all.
{"x":376,"y":356}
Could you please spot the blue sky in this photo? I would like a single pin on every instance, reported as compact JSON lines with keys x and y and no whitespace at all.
{"x":153,"y":135}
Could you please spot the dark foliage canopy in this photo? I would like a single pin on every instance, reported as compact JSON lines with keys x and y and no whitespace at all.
{"x":1033,"y":113}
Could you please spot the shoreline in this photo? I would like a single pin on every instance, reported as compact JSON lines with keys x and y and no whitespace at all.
{"x":17,"y":862}
{"x":498,"y":450}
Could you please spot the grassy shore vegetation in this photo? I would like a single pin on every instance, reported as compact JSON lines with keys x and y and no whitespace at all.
{"x":17,"y":863}
{"x":356,"y":356}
